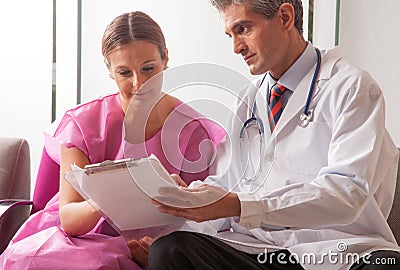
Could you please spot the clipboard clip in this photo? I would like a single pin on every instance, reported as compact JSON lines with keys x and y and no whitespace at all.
{"x":109,"y":165}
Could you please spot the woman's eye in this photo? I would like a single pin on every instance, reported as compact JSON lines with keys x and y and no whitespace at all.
{"x":148,"y":68}
{"x":124,"y":73}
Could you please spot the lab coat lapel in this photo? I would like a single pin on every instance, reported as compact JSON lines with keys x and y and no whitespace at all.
{"x":297,"y":101}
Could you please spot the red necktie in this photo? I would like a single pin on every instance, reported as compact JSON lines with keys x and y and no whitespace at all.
{"x":275,"y":104}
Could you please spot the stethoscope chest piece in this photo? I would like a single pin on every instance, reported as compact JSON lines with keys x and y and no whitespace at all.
{"x":305,"y":119}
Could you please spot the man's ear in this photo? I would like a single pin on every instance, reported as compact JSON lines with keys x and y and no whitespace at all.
{"x":286,"y":12}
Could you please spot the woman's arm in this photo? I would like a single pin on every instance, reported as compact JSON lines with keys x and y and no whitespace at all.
{"x":77,"y":215}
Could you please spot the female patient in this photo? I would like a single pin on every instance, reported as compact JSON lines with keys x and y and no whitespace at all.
{"x":134,"y":50}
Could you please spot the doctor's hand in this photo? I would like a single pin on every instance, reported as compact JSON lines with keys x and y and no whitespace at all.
{"x":202,"y":203}
{"x":178,"y":180}
{"x":140,"y":250}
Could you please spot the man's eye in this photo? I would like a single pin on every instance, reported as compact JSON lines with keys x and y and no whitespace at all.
{"x":241,"y":29}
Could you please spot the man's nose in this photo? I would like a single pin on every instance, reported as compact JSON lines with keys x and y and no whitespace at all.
{"x":238,"y":45}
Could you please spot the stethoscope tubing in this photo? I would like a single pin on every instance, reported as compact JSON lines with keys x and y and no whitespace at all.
{"x":251,"y":119}
{"x":313,"y":81}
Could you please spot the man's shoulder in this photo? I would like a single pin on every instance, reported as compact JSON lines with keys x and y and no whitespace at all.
{"x":342,"y":69}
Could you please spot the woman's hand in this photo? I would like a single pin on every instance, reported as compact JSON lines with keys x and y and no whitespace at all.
{"x":140,"y":250}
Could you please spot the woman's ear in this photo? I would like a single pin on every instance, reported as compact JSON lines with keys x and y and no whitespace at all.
{"x":107,"y":63}
{"x":166,"y":59}
{"x":286,"y":12}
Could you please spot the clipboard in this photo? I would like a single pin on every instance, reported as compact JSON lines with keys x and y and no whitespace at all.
{"x":122,"y":190}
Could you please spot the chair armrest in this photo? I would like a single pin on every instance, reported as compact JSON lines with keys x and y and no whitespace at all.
{"x":7,"y":205}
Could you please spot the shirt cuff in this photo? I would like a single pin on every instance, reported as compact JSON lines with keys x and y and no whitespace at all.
{"x":251,"y":211}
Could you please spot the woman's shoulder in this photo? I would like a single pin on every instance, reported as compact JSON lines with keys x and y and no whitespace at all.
{"x":109,"y":102}
{"x":87,"y":117}
{"x":87,"y":127}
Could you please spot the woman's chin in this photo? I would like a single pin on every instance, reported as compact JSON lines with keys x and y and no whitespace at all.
{"x":142,"y":95}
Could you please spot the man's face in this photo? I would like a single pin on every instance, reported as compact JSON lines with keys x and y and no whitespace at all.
{"x":262,"y":43}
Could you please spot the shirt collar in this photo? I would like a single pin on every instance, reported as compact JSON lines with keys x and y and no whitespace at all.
{"x":295,"y":74}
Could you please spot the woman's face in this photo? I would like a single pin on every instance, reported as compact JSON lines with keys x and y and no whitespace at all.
{"x":132,"y":65}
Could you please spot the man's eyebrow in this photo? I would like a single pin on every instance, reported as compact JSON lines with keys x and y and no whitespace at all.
{"x":238,"y":24}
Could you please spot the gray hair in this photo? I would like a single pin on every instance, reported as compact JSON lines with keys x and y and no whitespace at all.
{"x":267,"y":8}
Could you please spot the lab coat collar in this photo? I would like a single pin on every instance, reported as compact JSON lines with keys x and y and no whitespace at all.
{"x":329,"y":59}
{"x":297,"y":101}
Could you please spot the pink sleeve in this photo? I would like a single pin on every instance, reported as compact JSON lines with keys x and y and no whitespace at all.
{"x":198,"y":141}
{"x":67,"y":134}
{"x":199,"y":154}
{"x":200,"y":150}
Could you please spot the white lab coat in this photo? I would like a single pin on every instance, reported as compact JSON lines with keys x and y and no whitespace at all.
{"x":331,"y":182}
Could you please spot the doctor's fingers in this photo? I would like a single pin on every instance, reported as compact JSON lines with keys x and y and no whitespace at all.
{"x":190,"y":197}
{"x":188,"y":192}
{"x":171,"y":202}
{"x":178,"y":196}
{"x":181,"y":192}
{"x":178,"y":180}
{"x":198,"y":214}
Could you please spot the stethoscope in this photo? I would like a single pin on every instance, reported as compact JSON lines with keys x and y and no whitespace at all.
{"x":305,"y":119}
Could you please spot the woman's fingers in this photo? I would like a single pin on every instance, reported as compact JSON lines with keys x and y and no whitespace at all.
{"x":139,"y":253}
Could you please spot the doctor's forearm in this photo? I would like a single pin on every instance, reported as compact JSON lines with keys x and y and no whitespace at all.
{"x":297,"y":209}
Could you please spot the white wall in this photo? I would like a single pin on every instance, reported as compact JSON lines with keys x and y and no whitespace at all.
{"x":26,"y":72}
{"x":369,"y":36}
{"x":324,"y":22}
{"x":66,"y":54}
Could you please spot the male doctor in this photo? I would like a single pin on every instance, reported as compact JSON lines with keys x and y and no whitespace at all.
{"x":326,"y":183}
